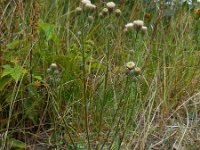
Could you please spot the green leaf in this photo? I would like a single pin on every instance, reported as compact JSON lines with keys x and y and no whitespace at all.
{"x":49,"y":31}
{"x":15,"y":72}
{"x":17,"y":143}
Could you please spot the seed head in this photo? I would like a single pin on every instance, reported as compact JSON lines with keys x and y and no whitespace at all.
{"x":137,"y":24}
{"x":137,"y":71}
{"x":129,"y":26}
{"x":78,"y":10}
{"x":90,"y":6}
{"x":110,"y":6}
{"x":144,"y":29}
{"x":118,"y":12}
{"x":53,"y":66}
{"x":130,"y":65}
{"x":84,"y":2}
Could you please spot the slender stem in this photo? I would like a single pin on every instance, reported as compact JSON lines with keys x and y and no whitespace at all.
{"x":84,"y":86}
{"x":117,"y":112}
{"x":32,"y":5}
{"x":65,"y":124}
{"x":135,"y":40}
{"x":105,"y":90}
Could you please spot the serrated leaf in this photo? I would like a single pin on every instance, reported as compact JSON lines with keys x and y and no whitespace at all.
{"x":15,"y":72}
{"x":49,"y":31}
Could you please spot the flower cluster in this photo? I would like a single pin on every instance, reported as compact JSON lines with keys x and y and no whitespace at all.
{"x":110,"y":7}
{"x":53,"y":73}
{"x":131,"y":66}
{"x":138,"y":25}
{"x":85,"y":4}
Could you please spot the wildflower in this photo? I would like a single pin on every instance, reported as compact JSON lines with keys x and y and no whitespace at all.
{"x":110,"y":6}
{"x":90,"y":18}
{"x":78,"y":10}
{"x":84,"y":2}
{"x":105,"y":11}
{"x":53,"y":66}
{"x":137,"y":71}
{"x":129,"y":26}
{"x":130,"y":65}
{"x":144,"y":29}
{"x":118,"y":12}
{"x":90,"y":6}
{"x":137,"y":24}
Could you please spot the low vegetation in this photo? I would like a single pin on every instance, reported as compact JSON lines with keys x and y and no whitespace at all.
{"x":99,"y":75}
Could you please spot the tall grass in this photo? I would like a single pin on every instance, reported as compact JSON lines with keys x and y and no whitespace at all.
{"x":65,"y":82}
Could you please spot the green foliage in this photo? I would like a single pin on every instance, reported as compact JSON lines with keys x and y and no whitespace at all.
{"x":91,"y":97}
{"x":15,"y":72}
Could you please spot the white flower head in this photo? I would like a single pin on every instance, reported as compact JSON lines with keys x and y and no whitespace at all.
{"x":53,"y":66}
{"x":144,"y":29}
{"x":90,"y":6}
{"x":130,"y":65}
{"x":129,"y":25}
{"x":84,"y":2}
{"x":137,"y":24}
{"x":110,"y":6}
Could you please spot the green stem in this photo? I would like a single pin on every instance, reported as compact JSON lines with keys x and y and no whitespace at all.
{"x":84,"y":87}
{"x":116,"y":113}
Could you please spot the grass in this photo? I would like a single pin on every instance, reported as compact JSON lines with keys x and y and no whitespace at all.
{"x":65,"y":82}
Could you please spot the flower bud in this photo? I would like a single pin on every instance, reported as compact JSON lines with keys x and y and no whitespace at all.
{"x":137,"y":71}
{"x":105,"y":11}
{"x":78,"y":10}
{"x":53,"y":66}
{"x":118,"y":12}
